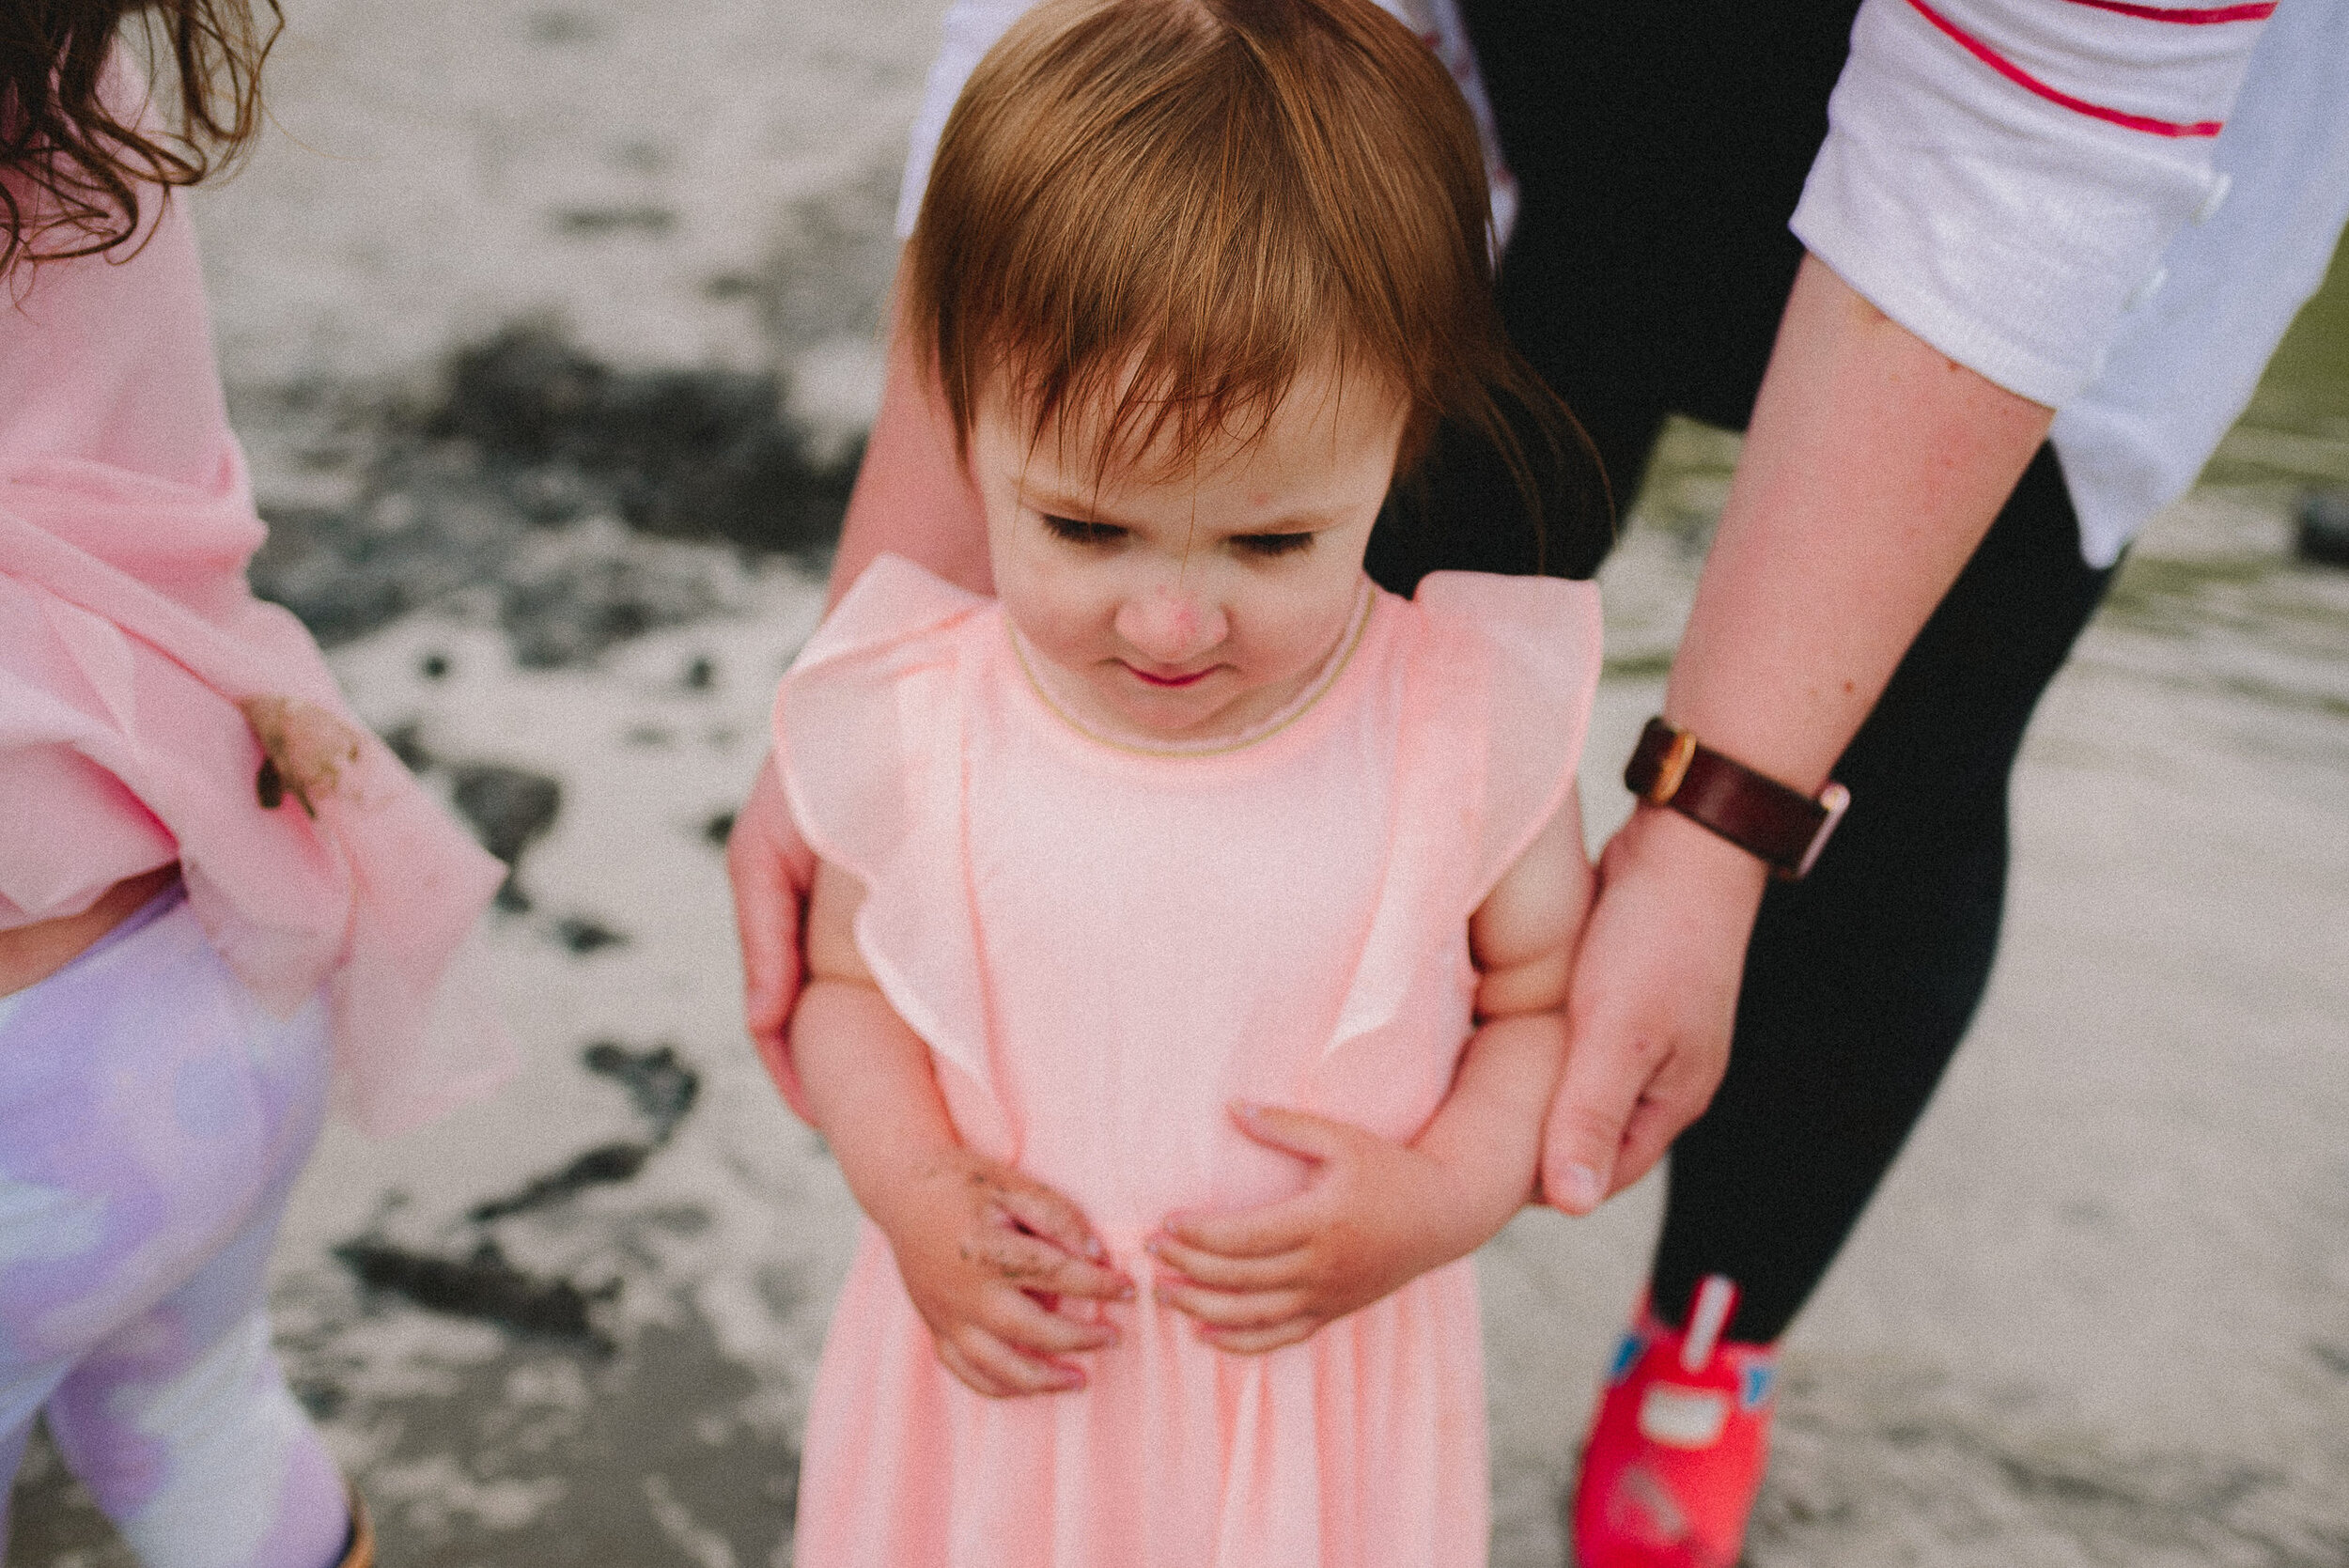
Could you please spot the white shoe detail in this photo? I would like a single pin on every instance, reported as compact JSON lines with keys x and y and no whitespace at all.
{"x":1715,"y":1296}
{"x":1682,"y":1418}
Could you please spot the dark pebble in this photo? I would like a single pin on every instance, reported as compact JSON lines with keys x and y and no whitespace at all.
{"x":508,"y":808}
{"x":484,"y":1287}
{"x":659,"y":1084}
{"x":584,"y":935}
{"x":2325,"y":527}
{"x":603,"y":1166}
{"x":407,"y":743}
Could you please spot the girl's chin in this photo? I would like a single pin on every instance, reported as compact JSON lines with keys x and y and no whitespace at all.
{"x":1166,"y":715}
{"x":1200,"y":712}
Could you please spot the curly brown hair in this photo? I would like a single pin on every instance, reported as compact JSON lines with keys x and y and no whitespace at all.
{"x":73,"y":154}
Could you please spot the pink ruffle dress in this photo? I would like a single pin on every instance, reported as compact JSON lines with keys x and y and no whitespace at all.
{"x":130,"y":654}
{"x":1103,"y":946}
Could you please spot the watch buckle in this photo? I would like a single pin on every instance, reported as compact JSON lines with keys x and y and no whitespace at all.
{"x":1672,"y":768}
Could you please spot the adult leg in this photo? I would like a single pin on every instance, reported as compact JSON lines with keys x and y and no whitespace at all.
{"x":1862,"y":979}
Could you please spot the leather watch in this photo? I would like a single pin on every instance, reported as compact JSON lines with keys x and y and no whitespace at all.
{"x":1781,"y":825}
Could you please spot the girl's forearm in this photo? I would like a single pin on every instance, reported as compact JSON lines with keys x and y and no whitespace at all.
{"x":1487,"y":1133}
{"x":871,"y":1092}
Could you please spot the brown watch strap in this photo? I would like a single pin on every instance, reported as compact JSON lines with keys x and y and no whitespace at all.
{"x":1782,"y":826}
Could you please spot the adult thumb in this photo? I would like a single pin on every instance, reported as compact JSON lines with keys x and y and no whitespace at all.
{"x":1583,"y":1131}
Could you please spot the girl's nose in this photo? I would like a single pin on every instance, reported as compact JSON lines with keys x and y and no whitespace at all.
{"x":1171,"y":627}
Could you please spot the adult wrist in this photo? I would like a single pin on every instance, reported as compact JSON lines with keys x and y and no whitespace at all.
{"x":1661,"y":845}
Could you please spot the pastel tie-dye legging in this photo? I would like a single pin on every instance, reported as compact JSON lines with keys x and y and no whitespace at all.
{"x":152,"y":1118}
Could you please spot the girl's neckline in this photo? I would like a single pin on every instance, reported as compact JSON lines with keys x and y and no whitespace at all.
{"x":1333,"y":664}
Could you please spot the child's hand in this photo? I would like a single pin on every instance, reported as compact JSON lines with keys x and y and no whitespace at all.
{"x":1374,"y":1215}
{"x":989,"y":1256}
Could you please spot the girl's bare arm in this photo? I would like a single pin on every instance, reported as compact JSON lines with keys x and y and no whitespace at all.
{"x":974,"y":1240}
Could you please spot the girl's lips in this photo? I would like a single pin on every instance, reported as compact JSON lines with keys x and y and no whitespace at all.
{"x":1170,"y":682}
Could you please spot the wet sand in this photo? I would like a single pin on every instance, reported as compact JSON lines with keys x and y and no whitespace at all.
{"x":2096,"y":1317}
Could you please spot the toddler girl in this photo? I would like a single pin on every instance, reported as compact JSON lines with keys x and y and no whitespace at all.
{"x":212,"y":880}
{"x":1191,"y":920}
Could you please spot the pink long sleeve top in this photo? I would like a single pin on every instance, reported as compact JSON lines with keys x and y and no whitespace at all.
{"x":135,"y":665}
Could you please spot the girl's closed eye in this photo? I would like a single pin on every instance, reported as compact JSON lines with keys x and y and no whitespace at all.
{"x":1271,"y":546}
{"x":1076,"y":530}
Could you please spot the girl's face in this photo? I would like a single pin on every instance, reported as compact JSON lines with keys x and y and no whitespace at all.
{"x":1190,"y":605}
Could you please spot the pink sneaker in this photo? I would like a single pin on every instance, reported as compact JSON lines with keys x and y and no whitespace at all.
{"x":1677,"y":1447}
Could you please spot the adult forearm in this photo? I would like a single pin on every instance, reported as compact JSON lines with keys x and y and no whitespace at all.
{"x":914,"y":496}
{"x":1873,"y":467}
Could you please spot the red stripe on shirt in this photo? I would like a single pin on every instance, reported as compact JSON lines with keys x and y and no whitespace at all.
{"x":2191,"y":16}
{"x":2025,"y":80}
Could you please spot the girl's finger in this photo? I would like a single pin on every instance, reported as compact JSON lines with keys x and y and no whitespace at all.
{"x":1026,"y":1325}
{"x":1294,"y":1132}
{"x":950,"y":1354}
{"x":1218,"y":1271}
{"x":1255,"y":1342}
{"x":1010,"y":1369}
{"x":1032,"y":1263}
{"x":1230,"y":1309}
{"x":1262,"y":1232}
{"x":1046,"y":1214}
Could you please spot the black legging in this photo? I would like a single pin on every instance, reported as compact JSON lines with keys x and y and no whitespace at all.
{"x":1660,"y":148}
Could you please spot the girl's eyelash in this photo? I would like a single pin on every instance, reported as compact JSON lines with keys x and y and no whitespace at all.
{"x":1272,"y":544}
{"x":1077,"y":532}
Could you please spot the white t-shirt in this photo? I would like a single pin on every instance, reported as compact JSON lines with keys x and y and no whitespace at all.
{"x":2033,"y":187}
{"x":2041,"y":189}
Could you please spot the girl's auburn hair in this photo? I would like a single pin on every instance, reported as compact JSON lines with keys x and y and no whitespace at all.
{"x":1160,"y":211}
{"x":74,"y":155}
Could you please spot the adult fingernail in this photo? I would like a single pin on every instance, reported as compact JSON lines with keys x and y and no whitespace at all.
{"x":1581,"y":1188}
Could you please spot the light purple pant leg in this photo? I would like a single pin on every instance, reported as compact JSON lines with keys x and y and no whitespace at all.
{"x":153,"y":1120}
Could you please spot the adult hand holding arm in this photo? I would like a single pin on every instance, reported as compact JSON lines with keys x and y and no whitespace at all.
{"x":913,"y":498}
{"x":1871,"y":467}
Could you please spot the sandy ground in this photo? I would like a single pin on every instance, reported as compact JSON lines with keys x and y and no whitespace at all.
{"x":2100,"y":1314}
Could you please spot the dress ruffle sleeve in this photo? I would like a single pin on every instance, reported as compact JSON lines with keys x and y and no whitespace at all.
{"x":869,"y":736}
{"x":1538,"y":639}
{"x":1495,"y":695}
